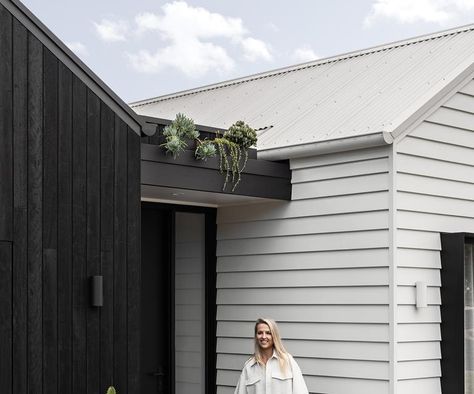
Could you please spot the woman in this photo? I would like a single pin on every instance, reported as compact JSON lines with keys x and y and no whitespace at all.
{"x":271,"y":370}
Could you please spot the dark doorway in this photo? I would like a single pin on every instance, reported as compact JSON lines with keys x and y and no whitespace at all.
{"x":156,"y":306}
{"x":178,"y":303}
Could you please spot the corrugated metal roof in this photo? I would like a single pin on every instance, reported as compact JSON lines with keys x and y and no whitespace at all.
{"x":350,"y":95}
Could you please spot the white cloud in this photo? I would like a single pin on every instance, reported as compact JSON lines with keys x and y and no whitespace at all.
{"x":411,"y":11}
{"x":193,"y":58}
{"x":182,"y":20}
{"x":464,"y":5}
{"x":255,"y":49}
{"x":78,"y":48}
{"x":112,"y":31}
{"x":194,"y":40}
{"x":304,"y":54}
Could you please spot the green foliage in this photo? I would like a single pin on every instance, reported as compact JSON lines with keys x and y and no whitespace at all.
{"x":185,"y":127}
{"x":205,"y":150}
{"x":174,"y":145}
{"x":111,"y":390}
{"x":229,"y":155}
{"x":232,"y":147}
{"x":242,"y":134}
{"x":176,"y":134}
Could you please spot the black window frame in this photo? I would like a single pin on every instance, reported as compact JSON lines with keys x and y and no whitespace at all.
{"x":452,"y":311}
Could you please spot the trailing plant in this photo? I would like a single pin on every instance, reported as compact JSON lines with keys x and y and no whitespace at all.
{"x":244,"y":136}
{"x":232,"y":147}
{"x":229,"y":161}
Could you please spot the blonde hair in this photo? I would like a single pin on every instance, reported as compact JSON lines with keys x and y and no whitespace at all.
{"x":277,"y":343}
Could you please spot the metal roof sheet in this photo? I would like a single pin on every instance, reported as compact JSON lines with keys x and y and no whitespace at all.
{"x":350,"y":95}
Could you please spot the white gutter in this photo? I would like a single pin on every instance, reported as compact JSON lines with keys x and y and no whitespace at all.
{"x":324,"y":147}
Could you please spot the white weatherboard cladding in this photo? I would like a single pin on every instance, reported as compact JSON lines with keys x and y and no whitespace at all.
{"x":319,"y":265}
{"x":361,"y":93}
{"x":435,"y":182}
{"x":189,"y":291}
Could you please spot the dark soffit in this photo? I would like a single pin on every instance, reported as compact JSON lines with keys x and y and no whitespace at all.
{"x":261,"y":178}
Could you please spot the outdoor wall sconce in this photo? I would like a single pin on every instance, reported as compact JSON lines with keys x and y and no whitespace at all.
{"x":421,"y":295}
{"x":97,"y":290}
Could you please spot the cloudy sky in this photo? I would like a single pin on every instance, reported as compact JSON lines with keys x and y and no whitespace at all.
{"x":147,"y":48}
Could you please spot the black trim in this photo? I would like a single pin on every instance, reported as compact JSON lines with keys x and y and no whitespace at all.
{"x":261,"y":178}
{"x":210,"y":291}
{"x":171,"y":308}
{"x":211,"y":305}
{"x":163,"y":122}
{"x":452,"y":311}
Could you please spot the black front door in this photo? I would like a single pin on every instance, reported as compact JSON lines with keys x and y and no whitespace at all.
{"x":156,"y":308}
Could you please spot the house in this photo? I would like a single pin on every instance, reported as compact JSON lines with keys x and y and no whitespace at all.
{"x":73,"y":294}
{"x":349,"y":258}
{"x":381,"y":150}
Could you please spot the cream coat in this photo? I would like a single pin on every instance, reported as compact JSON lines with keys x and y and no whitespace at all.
{"x":256,"y":379}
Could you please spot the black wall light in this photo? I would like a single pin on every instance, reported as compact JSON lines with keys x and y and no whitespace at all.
{"x":97,"y":290}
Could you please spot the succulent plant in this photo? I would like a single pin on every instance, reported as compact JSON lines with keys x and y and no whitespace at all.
{"x":241,"y":134}
{"x":174,"y":145}
{"x":205,"y":150}
{"x":185,"y":127}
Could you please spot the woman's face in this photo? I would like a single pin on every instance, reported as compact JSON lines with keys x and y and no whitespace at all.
{"x":264,"y":337}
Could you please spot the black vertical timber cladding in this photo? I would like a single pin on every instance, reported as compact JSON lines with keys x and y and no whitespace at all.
{"x":79,"y":245}
{"x":69,"y":208}
{"x":133,"y":264}
{"x":93,"y":236}
{"x":35,"y":215}
{"x":107,"y":242}
{"x":64,"y":254}
{"x":50,"y":223}
{"x":6,"y":125}
{"x":120,"y":257}
{"x":20,"y":256}
{"x":5,"y":317}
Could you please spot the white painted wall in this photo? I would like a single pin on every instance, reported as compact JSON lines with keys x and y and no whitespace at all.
{"x":435,"y":182}
{"x":319,"y":265}
{"x":189,"y":303}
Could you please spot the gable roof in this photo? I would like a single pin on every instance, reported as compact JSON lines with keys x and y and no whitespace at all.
{"x":373,"y":93}
{"x":84,"y":73}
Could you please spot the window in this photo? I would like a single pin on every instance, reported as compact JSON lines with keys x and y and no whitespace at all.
{"x":457,"y":313}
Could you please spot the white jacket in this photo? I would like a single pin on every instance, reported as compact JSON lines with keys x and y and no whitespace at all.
{"x":256,"y":379}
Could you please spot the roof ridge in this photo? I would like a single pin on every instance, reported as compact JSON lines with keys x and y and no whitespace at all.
{"x":302,"y":66}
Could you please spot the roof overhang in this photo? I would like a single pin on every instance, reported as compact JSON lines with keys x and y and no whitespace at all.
{"x":325,"y":147}
{"x":187,"y":180}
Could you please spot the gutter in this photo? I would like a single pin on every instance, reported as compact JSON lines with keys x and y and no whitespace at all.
{"x":325,"y":147}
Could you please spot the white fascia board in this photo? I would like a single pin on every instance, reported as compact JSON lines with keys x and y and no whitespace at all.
{"x":325,"y":147}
